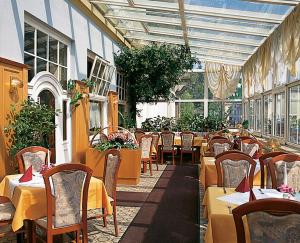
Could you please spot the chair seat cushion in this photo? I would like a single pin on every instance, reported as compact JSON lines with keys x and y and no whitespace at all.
{"x":7,"y":211}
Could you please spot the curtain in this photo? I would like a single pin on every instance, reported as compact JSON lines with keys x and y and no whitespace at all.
{"x":222,"y":79}
{"x":278,"y":53}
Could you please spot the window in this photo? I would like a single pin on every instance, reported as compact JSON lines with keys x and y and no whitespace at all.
{"x":121,"y":87}
{"x":234,"y":111}
{"x":64,"y":120}
{"x":294,"y":114}
{"x":42,"y":52}
{"x":95,"y":116}
{"x":268,"y":107}
{"x":101,"y":73}
{"x":246,"y":110}
{"x":279,"y":114}
{"x":251,"y":114}
{"x":257,"y":115}
{"x":189,"y":108}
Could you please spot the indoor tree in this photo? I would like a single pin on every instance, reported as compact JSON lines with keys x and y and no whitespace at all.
{"x":152,"y":71}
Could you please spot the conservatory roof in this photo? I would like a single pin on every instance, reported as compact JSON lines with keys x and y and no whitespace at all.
{"x":225,"y":31}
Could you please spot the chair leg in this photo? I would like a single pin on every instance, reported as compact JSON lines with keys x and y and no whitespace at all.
{"x":84,"y":234}
{"x":193,"y":157}
{"x":78,"y":236}
{"x":144,"y":166}
{"x":150,"y":166}
{"x":33,"y":233}
{"x":173,"y":157}
{"x":115,"y":219}
{"x":161,"y":157}
{"x":104,"y":217}
{"x":181,"y":155}
{"x":49,"y":238}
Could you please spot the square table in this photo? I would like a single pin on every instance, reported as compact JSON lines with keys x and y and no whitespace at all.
{"x":31,"y":204}
{"x":208,"y":173}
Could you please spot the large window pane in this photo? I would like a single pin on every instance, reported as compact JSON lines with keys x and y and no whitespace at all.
{"x":29,"y":38}
{"x":53,"y":68}
{"x":215,"y":109}
{"x":294,"y":114}
{"x":53,"y":45}
{"x":42,"y":42}
{"x":251,"y":114}
{"x":63,"y":54}
{"x":234,"y":111}
{"x":192,"y":87}
{"x":95,"y":116}
{"x":257,"y":115}
{"x":268,"y":108}
{"x":279,"y":114}
{"x":41,"y":65}
{"x":63,"y":77}
{"x":29,"y":60}
{"x":189,"y":108}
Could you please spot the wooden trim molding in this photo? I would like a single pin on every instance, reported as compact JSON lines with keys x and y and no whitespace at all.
{"x":13,"y":63}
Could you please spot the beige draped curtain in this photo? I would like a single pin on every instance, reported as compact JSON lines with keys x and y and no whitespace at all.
{"x":222,"y":79}
{"x":281,"y":48}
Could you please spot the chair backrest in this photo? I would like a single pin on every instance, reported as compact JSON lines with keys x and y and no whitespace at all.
{"x":111,"y":169}
{"x":167,"y":141}
{"x":216,"y":137}
{"x":187,"y":141}
{"x":230,"y":152}
{"x":252,"y":147}
{"x":217,"y":146}
{"x":155,"y":142}
{"x":233,"y":167}
{"x":138,"y":135}
{"x":277,"y":170}
{"x":268,"y":220}
{"x":263,"y":160}
{"x":146,"y":145}
{"x":68,"y":185}
{"x":34,"y":155}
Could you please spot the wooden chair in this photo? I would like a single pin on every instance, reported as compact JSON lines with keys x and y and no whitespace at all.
{"x":244,"y":139}
{"x":34,"y":155}
{"x":233,"y":167}
{"x":230,"y":152}
{"x":68,"y":212}
{"x":155,"y":136}
{"x":217,"y":146}
{"x":263,"y":160}
{"x":138,"y":134}
{"x":187,"y":145}
{"x":167,"y":145}
{"x":252,"y":147}
{"x":146,"y":144}
{"x":7,"y":211}
{"x":268,"y":220}
{"x":276,"y":167}
{"x":110,"y":176}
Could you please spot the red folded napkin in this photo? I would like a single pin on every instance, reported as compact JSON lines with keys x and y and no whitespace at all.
{"x":243,"y":186}
{"x":27,"y":175}
{"x":251,"y":196}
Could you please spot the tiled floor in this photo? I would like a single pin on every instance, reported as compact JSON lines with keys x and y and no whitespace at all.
{"x":98,"y":233}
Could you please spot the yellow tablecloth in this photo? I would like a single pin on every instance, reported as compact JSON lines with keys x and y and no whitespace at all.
{"x":221,"y":226}
{"x":208,"y":173}
{"x":204,"y":148}
{"x":30,"y":202}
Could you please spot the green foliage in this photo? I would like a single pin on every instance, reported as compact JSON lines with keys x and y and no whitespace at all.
{"x":153,"y":70}
{"x":30,"y":126}
{"x":118,"y":145}
{"x":126,"y":120}
{"x":159,"y":123}
{"x":245,"y":124}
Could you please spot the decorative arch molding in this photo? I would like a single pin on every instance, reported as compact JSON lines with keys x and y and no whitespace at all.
{"x":42,"y":81}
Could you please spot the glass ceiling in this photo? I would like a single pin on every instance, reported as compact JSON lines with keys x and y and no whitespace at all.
{"x":226,"y":31}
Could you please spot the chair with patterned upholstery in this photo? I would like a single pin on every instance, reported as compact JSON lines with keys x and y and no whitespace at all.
{"x":34,"y":155}
{"x":263,"y":160}
{"x":217,"y":146}
{"x":187,"y":145}
{"x":277,"y":170}
{"x":268,"y":220}
{"x":233,"y":167}
{"x":230,"y":152}
{"x":138,"y":134}
{"x":155,"y":148}
{"x":146,"y":145}
{"x":167,"y":145}
{"x":67,"y":194}
{"x":110,"y":176}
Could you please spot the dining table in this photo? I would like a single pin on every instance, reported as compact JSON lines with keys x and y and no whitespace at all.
{"x":29,"y":198}
{"x":209,"y":177}
{"x":218,"y":203}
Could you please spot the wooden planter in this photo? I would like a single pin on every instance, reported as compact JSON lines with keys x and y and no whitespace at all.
{"x":130,"y":168}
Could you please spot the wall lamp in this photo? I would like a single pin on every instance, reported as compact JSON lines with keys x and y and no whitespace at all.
{"x":15,"y":83}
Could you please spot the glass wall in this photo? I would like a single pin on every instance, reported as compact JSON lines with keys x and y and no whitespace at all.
{"x":294,"y":114}
{"x":279,"y":114}
{"x":268,"y":110}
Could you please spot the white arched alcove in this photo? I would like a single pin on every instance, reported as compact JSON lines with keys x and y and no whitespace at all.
{"x":46,"y":81}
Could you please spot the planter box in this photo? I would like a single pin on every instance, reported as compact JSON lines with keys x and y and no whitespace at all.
{"x":130,"y":168}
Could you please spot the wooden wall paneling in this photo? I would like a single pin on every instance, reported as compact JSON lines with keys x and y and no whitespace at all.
{"x":113,"y":100}
{"x":80,"y":126}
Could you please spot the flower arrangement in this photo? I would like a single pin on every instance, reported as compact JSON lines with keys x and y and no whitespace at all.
{"x":117,"y":140}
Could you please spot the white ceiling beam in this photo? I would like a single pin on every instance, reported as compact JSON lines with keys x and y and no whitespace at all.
{"x":200,"y":10}
{"x":218,"y":53}
{"x":193,"y":24}
{"x":180,"y":42}
{"x":280,"y":2}
{"x":217,"y":60}
{"x":197,"y":36}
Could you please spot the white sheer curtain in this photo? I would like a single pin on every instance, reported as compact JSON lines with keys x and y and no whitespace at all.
{"x":222,"y":79}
